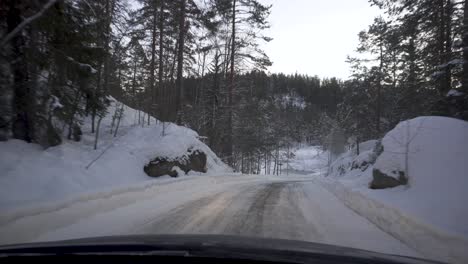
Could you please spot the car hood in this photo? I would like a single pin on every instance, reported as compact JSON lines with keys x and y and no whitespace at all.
{"x":216,"y":246}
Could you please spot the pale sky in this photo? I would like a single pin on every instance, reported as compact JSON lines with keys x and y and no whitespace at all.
{"x":315,"y":36}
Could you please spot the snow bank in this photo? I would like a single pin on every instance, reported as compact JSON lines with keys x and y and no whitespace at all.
{"x":428,"y":240}
{"x":30,"y":175}
{"x":437,"y":152}
{"x":430,"y":213}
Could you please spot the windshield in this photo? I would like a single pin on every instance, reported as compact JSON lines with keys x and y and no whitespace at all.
{"x":338,"y":122}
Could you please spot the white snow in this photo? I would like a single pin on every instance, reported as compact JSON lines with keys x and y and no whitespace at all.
{"x":55,"y":102}
{"x":292,"y":100}
{"x":308,"y":159}
{"x":437,"y":170}
{"x":454,"y":92}
{"x":429,"y":214}
{"x":31,"y":175}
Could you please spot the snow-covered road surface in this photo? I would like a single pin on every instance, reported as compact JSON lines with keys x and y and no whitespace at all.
{"x":295,"y":207}
{"x":288,"y":209}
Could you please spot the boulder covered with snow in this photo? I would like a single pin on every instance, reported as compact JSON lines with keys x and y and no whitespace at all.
{"x":430,"y":212}
{"x":193,"y":160}
{"x":382,"y":181}
{"x":432,"y":152}
{"x":423,"y":150}
{"x":364,"y":160}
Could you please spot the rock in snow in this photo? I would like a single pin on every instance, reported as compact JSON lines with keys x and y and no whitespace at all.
{"x":193,"y":160}
{"x":383,"y":181}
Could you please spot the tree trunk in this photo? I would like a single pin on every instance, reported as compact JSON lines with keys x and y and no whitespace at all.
{"x":441,"y":22}
{"x":96,"y":138}
{"x":379,"y":91}
{"x":174,"y":60}
{"x":109,"y":8}
{"x":95,"y":94}
{"x":180,"y":63}
{"x":231,"y":85}
{"x":278,"y":172}
{"x":72,"y":115}
{"x":21,"y":93}
{"x":407,"y":149}
{"x":274,"y":165}
{"x":259,"y":162}
{"x":199,"y":91}
{"x":139,"y":116}
{"x":152,"y":65}
{"x":357,"y":146}
{"x":161,"y":49}
{"x":412,"y":65}
{"x":118,"y":120}
{"x":242,"y":163}
{"x":212,"y":102}
{"x":114,"y":117}
{"x":287,"y":162}
{"x":105,"y":42}
{"x":134,"y":84}
{"x":448,"y":45}
{"x":465,"y":48}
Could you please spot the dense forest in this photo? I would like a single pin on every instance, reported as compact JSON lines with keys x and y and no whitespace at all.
{"x":200,"y":64}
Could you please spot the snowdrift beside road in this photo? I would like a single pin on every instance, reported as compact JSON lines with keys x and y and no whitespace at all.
{"x":31,"y":175}
{"x":437,"y":156}
{"x":429,"y":214}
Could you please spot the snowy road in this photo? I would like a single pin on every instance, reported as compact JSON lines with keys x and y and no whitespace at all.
{"x":289,"y":208}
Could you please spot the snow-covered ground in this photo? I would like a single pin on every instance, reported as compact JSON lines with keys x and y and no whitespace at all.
{"x":429,"y":214}
{"x":73,"y":170}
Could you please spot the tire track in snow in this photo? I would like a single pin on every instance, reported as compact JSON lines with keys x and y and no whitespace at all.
{"x":267,"y":210}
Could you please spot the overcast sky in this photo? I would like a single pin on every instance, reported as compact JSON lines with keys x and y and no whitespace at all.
{"x":315,"y":36}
